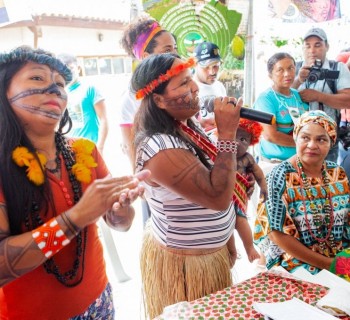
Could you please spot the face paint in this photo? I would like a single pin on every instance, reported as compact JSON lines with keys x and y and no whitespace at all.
{"x":52,"y":89}
{"x":38,"y":110}
{"x":184,"y":101}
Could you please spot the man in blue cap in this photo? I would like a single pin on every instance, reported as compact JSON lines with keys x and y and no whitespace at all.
{"x":206,"y":73}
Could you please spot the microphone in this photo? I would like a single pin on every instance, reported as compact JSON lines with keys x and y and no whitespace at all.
{"x":245,"y":112}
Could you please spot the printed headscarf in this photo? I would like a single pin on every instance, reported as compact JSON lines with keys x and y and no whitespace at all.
{"x":26,"y":53}
{"x":318,"y":117}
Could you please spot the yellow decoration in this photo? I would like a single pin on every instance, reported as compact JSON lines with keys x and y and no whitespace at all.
{"x":238,"y":47}
{"x":83,"y":160}
{"x":83,"y":146}
{"x":35,"y":171}
{"x":82,"y":173}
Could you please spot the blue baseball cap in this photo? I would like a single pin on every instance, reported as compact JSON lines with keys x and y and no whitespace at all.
{"x":207,"y":53}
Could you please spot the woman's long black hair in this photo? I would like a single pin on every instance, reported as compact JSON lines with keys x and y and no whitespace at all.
{"x":19,"y":192}
{"x":150,"y":119}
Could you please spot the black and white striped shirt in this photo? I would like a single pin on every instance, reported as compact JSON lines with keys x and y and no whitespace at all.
{"x":175,"y":221}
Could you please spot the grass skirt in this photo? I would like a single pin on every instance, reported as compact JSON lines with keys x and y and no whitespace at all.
{"x":174,"y":275}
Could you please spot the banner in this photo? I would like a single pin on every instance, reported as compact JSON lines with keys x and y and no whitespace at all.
{"x":193,"y":22}
{"x":304,"y":10}
{"x":3,"y":13}
{"x":12,"y":11}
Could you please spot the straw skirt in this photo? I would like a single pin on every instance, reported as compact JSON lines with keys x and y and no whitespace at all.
{"x":174,"y":275}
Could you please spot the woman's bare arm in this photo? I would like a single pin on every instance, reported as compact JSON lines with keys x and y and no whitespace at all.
{"x":295,"y":248}
{"x":20,"y":254}
{"x":180,"y":171}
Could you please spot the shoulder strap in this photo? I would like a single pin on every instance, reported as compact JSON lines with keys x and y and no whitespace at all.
{"x":332,"y":83}
{"x":298,"y":65}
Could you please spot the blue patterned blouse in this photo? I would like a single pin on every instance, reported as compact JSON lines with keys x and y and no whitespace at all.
{"x":288,"y":210}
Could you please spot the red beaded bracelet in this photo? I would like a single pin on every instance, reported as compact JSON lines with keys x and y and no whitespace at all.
{"x":226,"y":146}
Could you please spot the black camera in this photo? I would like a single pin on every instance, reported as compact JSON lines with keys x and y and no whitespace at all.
{"x":344,"y":137}
{"x":318,"y":73}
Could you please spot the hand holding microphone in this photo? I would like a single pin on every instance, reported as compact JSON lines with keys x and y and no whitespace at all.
{"x":227,"y":115}
{"x":246,"y":113}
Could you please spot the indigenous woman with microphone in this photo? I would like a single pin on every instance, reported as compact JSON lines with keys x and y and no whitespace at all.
{"x":188,"y":247}
{"x":284,"y":102}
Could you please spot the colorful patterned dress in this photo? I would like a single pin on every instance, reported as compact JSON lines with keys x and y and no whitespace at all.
{"x":285,"y":208}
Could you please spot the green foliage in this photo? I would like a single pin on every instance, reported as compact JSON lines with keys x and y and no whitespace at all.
{"x":279,"y":42}
{"x":232,"y":63}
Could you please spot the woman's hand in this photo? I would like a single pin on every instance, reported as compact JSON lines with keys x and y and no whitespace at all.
{"x":103,"y":195}
{"x":227,"y":114}
{"x":121,"y":215}
{"x":127,"y":198}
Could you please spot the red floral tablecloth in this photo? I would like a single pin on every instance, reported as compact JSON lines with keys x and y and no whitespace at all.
{"x":235,"y":303}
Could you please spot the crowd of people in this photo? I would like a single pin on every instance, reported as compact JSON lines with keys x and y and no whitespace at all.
{"x":193,"y":168}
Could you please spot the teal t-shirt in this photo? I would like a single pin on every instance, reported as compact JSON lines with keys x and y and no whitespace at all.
{"x":282,"y":107}
{"x":82,"y":98}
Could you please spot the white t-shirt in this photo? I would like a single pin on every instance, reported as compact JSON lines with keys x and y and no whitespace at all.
{"x":128,"y":108}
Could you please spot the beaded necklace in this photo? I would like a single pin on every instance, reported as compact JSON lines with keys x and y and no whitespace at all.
{"x":58,"y":163}
{"x":317,"y":215}
{"x":35,"y":221}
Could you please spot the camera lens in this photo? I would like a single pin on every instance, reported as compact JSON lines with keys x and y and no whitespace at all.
{"x":312,"y":77}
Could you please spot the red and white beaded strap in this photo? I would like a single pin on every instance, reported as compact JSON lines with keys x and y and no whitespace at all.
{"x":50,"y":238}
{"x":226,"y":146}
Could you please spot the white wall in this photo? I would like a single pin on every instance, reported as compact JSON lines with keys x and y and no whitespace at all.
{"x":11,"y":38}
{"x":81,"y":42}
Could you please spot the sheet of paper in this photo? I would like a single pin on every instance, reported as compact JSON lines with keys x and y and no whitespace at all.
{"x":324,"y":278}
{"x":331,"y":280}
{"x":291,"y":310}
{"x":336,"y":302}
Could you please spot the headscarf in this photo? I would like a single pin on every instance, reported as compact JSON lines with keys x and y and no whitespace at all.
{"x":26,"y":53}
{"x":318,"y":117}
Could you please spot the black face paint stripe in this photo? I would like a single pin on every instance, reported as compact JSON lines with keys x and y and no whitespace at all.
{"x":37,"y":110}
{"x":52,"y":89}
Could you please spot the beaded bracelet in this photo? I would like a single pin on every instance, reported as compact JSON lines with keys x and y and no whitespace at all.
{"x":226,"y":146}
{"x":50,"y":238}
{"x":70,"y":224}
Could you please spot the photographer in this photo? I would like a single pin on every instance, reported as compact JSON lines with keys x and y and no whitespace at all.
{"x":319,"y":83}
